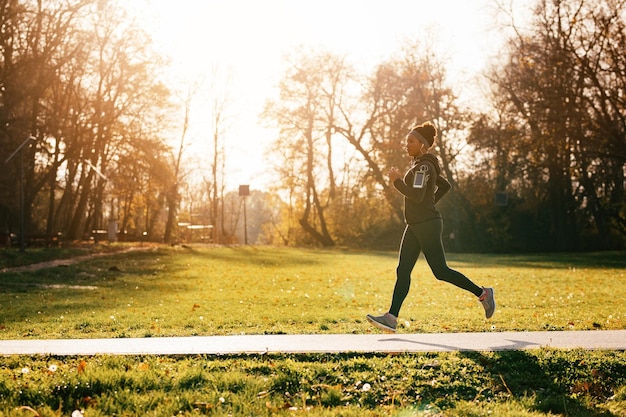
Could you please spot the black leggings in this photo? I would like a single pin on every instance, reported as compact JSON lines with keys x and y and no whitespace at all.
{"x":425,"y":237}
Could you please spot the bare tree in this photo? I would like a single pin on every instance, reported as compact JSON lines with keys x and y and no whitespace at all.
{"x":402,"y":92}
{"x":172,"y":195}
{"x":305,"y":114}
{"x":565,"y":81}
{"x":219,"y":109}
{"x":39,"y":42}
{"x":88,"y":85}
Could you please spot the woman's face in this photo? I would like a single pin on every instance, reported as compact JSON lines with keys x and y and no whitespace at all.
{"x":414,"y":147}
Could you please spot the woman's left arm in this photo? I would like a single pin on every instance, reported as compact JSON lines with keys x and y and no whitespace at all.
{"x":443,"y":186}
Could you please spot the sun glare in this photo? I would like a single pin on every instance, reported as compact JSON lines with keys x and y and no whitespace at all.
{"x":248,"y":40}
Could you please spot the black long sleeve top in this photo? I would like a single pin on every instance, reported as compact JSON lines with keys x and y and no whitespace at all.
{"x":422,"y":187}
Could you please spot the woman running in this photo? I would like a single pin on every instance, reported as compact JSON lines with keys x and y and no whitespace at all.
{"x":422,"y":187}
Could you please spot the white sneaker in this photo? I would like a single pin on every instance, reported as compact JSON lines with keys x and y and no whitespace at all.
{"x":387,"y":322}
{"x":488,"y":301}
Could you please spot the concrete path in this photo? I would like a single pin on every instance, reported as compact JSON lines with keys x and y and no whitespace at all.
{"x":327,"y":343}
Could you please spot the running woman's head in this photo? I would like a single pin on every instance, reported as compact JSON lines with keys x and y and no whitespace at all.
{"x":420,"y":139}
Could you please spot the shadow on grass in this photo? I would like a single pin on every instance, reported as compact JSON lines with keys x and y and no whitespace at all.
{"x":591,"y":260}
{"x":72,"y":289}
{"x":87,"y":272}
{"x":10,"y":258}
{"x":556,"y":381}
{"x":54,"y":291}
{"x":514,"y":344}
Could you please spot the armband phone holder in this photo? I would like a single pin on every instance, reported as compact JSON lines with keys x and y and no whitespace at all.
{"x":419,"y":179}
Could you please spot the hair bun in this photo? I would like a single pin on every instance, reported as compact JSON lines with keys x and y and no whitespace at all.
{"x":430,"y":129}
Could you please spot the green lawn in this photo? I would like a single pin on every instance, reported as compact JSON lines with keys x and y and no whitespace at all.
{"x":181,"y":291}
{"x":221,"y":291}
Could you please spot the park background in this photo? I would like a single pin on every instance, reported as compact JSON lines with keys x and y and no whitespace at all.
{"x":146,"y":118}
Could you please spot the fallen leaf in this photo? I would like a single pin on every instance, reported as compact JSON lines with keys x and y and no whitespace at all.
{"x":25,"y":407}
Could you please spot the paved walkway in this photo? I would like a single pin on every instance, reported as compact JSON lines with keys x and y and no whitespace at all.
{"x":327,"y":343}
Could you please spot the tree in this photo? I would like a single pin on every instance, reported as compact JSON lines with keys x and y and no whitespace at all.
{"x":598,"y":52}
{"x":405,"y":90}
{"x":86,"y":82}
{"x":561,"y":79}
{"x":219,"y":91}
{"x":324,"y":107}
{"x":38,"y":41}
{"x":123,"y":89}
{"x":309,"y":94}
{"x":172,"y":194}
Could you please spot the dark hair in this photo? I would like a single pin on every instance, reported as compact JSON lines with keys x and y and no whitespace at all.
{"x":428,"y":132}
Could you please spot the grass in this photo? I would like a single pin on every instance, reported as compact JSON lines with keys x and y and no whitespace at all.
{"x":257,"y":290}
{"x":531,"y":383}
{"x":222,"y":291}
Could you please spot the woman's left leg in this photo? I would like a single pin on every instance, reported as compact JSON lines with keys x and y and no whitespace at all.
{"x":407,"y":257}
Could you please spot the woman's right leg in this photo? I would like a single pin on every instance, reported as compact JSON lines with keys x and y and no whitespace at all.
{"x":430,"y":238}
{"x":408,"y":255}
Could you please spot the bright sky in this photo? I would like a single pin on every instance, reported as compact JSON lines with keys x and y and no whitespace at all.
{"x":250,"y":38}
